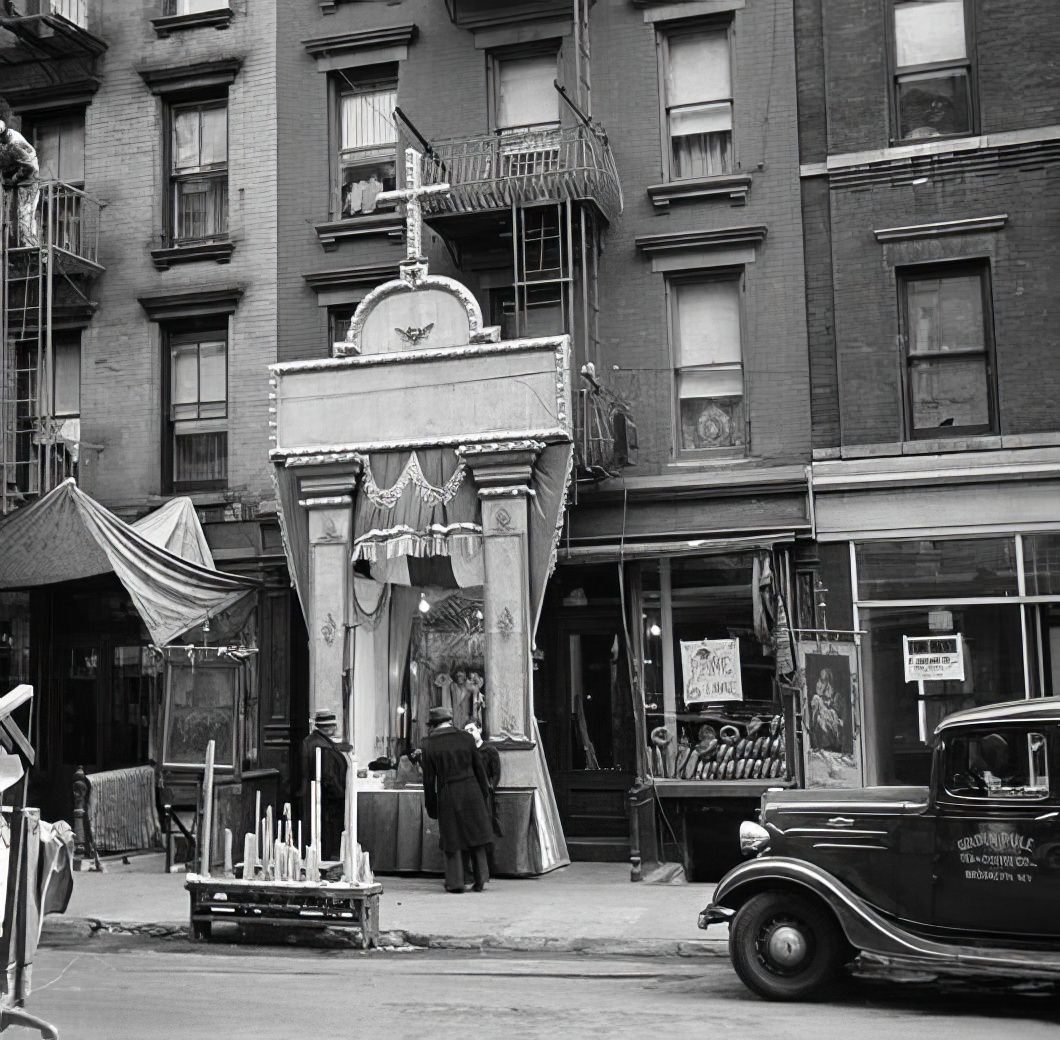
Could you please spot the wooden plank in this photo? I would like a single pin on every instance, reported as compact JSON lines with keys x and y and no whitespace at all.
{"x":207,"y":811}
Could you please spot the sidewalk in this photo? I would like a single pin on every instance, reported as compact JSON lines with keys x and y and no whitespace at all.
{"x":586,"y":906}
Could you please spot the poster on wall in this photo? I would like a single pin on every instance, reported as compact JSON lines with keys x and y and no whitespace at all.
{"x":933,"y":658}
{"x":711,"y":669}
{"x":831,"y":700}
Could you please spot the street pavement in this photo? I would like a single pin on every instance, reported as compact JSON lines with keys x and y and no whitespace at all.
{"x":167,"y":989}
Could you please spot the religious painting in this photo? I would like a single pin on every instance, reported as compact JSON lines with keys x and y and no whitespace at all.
{"x":830,"y":712}
{"x":447,"y":662}
{"x":201,"y":704}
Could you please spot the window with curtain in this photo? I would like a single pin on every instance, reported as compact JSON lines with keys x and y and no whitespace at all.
{"x":524,"y":92}
{"x":697,"y":92}
{"x":60,"y":144}
{"x":708,"y":363}
{"x":198,"y":172}
{"x":198,"y":410}
{"x":933,"y":73}
{"x":947,"y":333}
{"x":367,"y":139}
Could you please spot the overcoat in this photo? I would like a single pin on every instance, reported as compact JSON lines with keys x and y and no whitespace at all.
{"x":455,"y":789}
{"x":332,"y":791}
{"x":491,"y":762}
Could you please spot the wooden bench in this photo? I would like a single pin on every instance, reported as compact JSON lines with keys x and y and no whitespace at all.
{"x":286,"y":904}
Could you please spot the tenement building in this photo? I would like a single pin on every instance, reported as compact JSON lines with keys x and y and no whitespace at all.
{"x":930,"y":169}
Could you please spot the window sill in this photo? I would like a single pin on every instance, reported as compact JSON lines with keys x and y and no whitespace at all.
{"x":168,"y":24}
{"x":388,"y":224}
{"x":219,"y":252}
{"x":733,"y":186}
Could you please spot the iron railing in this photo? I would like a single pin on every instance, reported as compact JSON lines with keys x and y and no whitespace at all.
{"x":64,"y":218}
{"x":605,"y":435}
{"x":523,"y":167}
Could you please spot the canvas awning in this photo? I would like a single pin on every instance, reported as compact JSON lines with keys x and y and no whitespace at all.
{"x":176,"y":528}
{"x":68,"y":535}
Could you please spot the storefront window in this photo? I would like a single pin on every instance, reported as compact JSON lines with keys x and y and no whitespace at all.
{"x":993,"y":671}
{"x":710,"y":704}
{"x":924,"y":569}
{"x":1041,"y":564}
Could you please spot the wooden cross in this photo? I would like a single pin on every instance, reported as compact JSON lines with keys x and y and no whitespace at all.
{"x":411,"y":194}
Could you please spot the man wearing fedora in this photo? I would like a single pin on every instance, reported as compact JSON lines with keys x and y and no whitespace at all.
{"x":332,"y":782}
{"x":456,"y":794}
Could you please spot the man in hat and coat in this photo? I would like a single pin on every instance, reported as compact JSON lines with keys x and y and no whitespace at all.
{"x":332,"y":783}
{"x":456,"y":794}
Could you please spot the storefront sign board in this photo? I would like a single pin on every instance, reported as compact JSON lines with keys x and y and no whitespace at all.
{"x":933,"y":658}
{"x":711,"y":668}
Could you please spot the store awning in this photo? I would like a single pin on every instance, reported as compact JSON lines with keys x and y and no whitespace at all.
{"x":67,"y":535}
{"x":612,"y":553}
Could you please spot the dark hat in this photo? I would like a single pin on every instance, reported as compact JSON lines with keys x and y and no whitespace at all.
{"x":325,"y":718}
{"x":439,"y":714}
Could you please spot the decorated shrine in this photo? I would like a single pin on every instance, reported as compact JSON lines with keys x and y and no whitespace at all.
{"x":422,"y":475}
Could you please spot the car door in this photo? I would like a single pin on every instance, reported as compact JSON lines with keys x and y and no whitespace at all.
{"x":997,"y":850}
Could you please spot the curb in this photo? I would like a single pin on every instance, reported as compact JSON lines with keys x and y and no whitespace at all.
{"x":61,"y":931}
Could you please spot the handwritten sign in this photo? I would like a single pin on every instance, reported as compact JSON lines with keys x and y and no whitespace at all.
{"x":711,"y":669}
{"x":933,"y":658}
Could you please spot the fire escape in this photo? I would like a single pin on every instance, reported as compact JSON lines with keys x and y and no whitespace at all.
{"x":546,"y":194}
{"x":47,"y":264}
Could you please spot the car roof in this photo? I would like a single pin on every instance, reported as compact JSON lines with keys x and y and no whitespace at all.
{"x":1036,"y":709}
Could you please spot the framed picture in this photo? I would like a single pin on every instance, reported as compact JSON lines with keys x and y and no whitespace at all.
{"x":202,"y":703}
{"x":831,"y":713}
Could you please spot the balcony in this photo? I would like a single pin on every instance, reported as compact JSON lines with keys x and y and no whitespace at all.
{"x":605,"y":435}
{"x":66,"y":222}
{"x":48,"y":30}
{"x":523,"y":167}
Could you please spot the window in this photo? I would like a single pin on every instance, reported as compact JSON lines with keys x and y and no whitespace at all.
{"x":1007,"y":764}
{"x":708,"y":363}
{"x":60,"y":144}
{"x":339,"y":319}
{"x":697,"y":95}
{"x":946,"y":313}
{"x":523,"y":91}
{"x":175,"y":8}
{"x":199,"y":172}
{"x":367,"y":139}
{"x":198,"y":410}
{"x":66,"y":378}
{"x":932,"y":70}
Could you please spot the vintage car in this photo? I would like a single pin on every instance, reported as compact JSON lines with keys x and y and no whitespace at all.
{"x":962,"y":877}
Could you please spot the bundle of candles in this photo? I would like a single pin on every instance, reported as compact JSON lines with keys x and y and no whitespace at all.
{"x":274,"y":852}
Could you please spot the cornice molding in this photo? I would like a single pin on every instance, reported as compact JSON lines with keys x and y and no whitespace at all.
{"x":346,"y":277}
{"x":219,"y":19}
{"x":194,"y":303}
{"x":708,"y":238}
{"x":171,"y":79}
{"x":970,"y":225}
{"x":343,"y":44}
{"x":734,"y":187}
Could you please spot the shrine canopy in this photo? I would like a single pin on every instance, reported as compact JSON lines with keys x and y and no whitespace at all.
{"x":67,"y":535}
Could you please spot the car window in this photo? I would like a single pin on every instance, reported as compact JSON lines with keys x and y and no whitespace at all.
{"x":997,"y":764}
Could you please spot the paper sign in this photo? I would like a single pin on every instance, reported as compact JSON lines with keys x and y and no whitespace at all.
{"x":711,"y":668}
{"x":933,"y":658}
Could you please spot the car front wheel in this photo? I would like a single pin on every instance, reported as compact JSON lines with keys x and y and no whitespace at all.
{"x":785,"y":946}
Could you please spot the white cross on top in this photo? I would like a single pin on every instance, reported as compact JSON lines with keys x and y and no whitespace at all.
{"x":411,"y":194}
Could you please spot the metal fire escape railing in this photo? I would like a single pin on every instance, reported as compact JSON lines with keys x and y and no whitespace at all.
{"x":45,"y":264}
{"x":605,"y":435}
{"x":523,"y":167}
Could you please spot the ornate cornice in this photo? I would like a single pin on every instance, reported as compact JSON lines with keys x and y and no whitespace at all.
{"x":708,"y":238}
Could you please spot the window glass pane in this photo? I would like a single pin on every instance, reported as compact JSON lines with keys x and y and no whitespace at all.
{"x":46,"y":138}
{"x":701,"y":119}
{"x":924,"y":568}
{"x":67,"y":378}
{"x":367,"y":118}
{"x":72,"y":150}
{"x":708,"y":322}
{"x":711,"y":422}
{"x":214,"y":135}
{"x":186,"y":139}
{"x":196,"y":6}
{"x":928,"y":31}
{"x":1002,"y":763}
{"x":184,"y":378}
{"x":933,"y":103}
{"x":697,"y":68}
{"x":945,"y":314}
{"x":1041,"y":564}
{"x":200,"y":457}
{"x":363,"y":179}
{"x":950,"y":393}
{"x":212,"y":371}
{"x":526,"y":95}
{"x":993,"y":672}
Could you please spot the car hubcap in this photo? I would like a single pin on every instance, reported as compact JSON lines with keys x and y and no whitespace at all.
{"x":787,"y":946}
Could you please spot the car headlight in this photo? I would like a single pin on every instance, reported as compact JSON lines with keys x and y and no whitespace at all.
{"x":753,"y":838}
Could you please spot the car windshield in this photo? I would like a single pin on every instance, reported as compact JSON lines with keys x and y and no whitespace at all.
{"x":1002,"y":763}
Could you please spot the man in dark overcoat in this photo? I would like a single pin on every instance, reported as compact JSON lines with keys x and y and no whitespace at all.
{"x":456,"y":794}
{"x":332,"y":783}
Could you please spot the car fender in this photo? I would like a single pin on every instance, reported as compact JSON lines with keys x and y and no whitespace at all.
{"x":864,"y":927}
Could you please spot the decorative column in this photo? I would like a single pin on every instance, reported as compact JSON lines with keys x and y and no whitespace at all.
{"x":502,"y":473}
{"x":329,"y":501}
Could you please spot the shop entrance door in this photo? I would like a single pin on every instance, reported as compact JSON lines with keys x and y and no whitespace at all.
{"x":596,"y":746}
